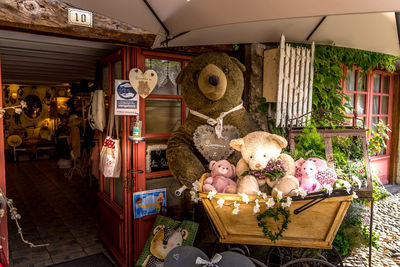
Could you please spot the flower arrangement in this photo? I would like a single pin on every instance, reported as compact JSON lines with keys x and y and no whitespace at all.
{"x":274,"y":171}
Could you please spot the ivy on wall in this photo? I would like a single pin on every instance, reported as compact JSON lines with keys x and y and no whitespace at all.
{"x":328,"y":60}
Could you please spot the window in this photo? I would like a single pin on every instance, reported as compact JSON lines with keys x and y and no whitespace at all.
{"x":371,"y":96}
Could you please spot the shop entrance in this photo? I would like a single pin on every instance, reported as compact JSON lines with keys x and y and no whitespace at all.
{"x":54,"y":190}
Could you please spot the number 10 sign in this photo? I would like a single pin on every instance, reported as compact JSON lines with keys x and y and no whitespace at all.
{"x":80,"y":17}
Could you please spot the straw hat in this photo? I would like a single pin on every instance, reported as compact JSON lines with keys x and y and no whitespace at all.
{"x":14,"y":140}
{"x":44,"y":132}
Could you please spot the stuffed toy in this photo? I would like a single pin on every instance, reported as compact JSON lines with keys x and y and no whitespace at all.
{"x":258,"y":150}
{"x":222,"y":173}
{"x":212,"y":86}
{"x":324,"y":175}
{"x":164,"y":240}
{"x":308,"y":179}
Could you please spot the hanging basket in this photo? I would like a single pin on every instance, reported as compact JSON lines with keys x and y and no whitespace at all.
{"x":314,"y":220}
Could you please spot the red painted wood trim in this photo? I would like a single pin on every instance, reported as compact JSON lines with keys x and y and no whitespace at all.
{"x":3,"y":225}
{"x":157,"y":174}
{"x":111,"y":204}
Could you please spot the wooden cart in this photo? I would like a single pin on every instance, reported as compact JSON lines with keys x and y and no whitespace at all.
{"x":314,"y":220}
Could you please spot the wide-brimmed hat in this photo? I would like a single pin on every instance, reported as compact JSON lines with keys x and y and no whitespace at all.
{"x":14,"y":140}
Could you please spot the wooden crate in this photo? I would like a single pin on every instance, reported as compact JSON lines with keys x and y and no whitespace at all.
{"x":315,"y":227}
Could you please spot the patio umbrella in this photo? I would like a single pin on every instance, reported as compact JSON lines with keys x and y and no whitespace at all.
{"x":363,"y":24}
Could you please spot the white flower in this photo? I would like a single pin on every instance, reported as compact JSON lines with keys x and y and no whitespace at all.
{"x":328,"y":188}
{"x":194,"y":196}
{"x":245,"y":198}
{"x":270,"y":203}
{"x":355,"y":195}
{"x":287,"y":203}
{"x":235,"y":211}
{"x":302,"y":192}
{"x":347,"y":185}
{"x":23,"y":104}
{"x":279,"y":195}
{"x":196,"y":185}
{"x":357,"y":180}
{"x":18,"y":110}
{"x":221,"y":202}
{"x":211,"y":194}
{"x":256,"y":208}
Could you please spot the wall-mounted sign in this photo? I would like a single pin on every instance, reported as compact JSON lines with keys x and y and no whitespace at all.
{"x":80,"y":17}
{"x":144,"y":83}
{"x":126,"y":99}
{"x":149,"y":202}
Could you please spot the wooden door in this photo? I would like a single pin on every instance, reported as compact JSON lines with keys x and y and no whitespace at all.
{"x":114,"y":195}
{"x":3,"y":225}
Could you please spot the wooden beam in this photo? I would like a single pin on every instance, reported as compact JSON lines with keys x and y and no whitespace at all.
{"x":50,"y":17}
{"x":394,"y":170}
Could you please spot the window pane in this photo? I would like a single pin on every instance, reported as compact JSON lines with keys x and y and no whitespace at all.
{"x":360,"y":122}
{"x":156,"y":159}
{"x":351,"y":103}
{"x":361,"y":104}
{"x":384,"y":120}
{"x":119,"y":191}
{"x":105,"y":79}
{"x":385,"y":84}
{"x":377,"y":81}
{"x":374,"y":122}
{"x":385,"y":104}
{"x":375,"y":104}
{"x":362,"y":78}
{"x":167,"y":71}
{"x":107,"y":185}
{"x":350,"y":80}
{"x":162,"y":115}
{"x":118,"y":70}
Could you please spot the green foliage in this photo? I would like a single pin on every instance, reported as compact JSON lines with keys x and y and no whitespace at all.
{"x":275,"y":214}
{"x":346,"y":148}
{"x":377,"y":141}
{"x":353,"y":233}
{"x":328,"y":73}
{"x":309,"y":144}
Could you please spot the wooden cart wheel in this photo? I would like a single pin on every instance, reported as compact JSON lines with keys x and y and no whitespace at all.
{"x":307,"y":262}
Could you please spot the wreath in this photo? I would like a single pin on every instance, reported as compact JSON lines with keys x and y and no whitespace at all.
{"x":274,"y":213}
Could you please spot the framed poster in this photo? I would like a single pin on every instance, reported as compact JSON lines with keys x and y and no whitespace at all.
{"x":149,"y":202}
{"x":126,"y":98}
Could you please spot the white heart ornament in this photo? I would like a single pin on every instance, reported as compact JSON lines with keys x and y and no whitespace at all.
{"x":143,"y":83}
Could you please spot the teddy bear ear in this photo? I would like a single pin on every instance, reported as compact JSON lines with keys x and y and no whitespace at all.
{"x":185,"y":233}
{"x":237,"y":144}
{"x":211,"y":164}
{"x":239,"y":64}
{"x":279,"y":139}
{"x":158,"y":228}
{"x":179,"y":78}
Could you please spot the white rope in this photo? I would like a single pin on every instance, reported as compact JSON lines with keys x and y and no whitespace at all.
{"x":218,"y":122}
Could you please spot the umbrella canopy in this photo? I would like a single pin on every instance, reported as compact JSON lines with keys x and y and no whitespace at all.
{"x":363,"y":24}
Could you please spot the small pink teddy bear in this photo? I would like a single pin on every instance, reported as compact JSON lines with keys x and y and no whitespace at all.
{"x":222,"y":173}
{"x":308,"y":180}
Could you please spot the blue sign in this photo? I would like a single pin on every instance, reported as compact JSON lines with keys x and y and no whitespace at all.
{"x":126,"y":98}
{"x":149,"y":202}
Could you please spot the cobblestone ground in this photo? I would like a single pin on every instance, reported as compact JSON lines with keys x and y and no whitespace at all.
{"x":387,"y":225}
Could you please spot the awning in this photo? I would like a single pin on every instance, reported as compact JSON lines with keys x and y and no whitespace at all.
{"x":364,"y":24}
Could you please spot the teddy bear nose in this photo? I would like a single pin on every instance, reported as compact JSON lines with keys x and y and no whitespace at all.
{"x":213,"y":80}
{"x":258,"y":165}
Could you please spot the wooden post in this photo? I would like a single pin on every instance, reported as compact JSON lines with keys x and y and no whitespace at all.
{"x":285,"y":87}
{"x":394,"y":171}
{"x":291,"y":84}
{"x":279,"y":98}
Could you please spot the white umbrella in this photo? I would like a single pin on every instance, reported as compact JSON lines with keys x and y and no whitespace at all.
{"x":364,"y":24}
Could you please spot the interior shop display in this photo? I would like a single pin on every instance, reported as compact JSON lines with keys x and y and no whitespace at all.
{"x":166,"y":234}
{"x":212,"y":86}
{"x":34,"y":106}
{"x":110,"y":155}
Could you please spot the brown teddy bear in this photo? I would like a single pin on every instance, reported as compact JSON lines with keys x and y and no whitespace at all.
{"x":222,"y":173}
{"x":212,"y":87}
{"x":258,"y":149}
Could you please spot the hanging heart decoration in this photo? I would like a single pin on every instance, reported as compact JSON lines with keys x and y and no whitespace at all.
{"x":143,"y":83}
{"x":212,"y":147}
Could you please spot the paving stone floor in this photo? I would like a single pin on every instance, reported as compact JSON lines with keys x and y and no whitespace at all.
{"x":54,"y":210}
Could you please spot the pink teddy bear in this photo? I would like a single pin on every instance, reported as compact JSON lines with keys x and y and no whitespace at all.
{"x":308,"y":180}
{"x":222,"y":173}
{"x":325,"y":174}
